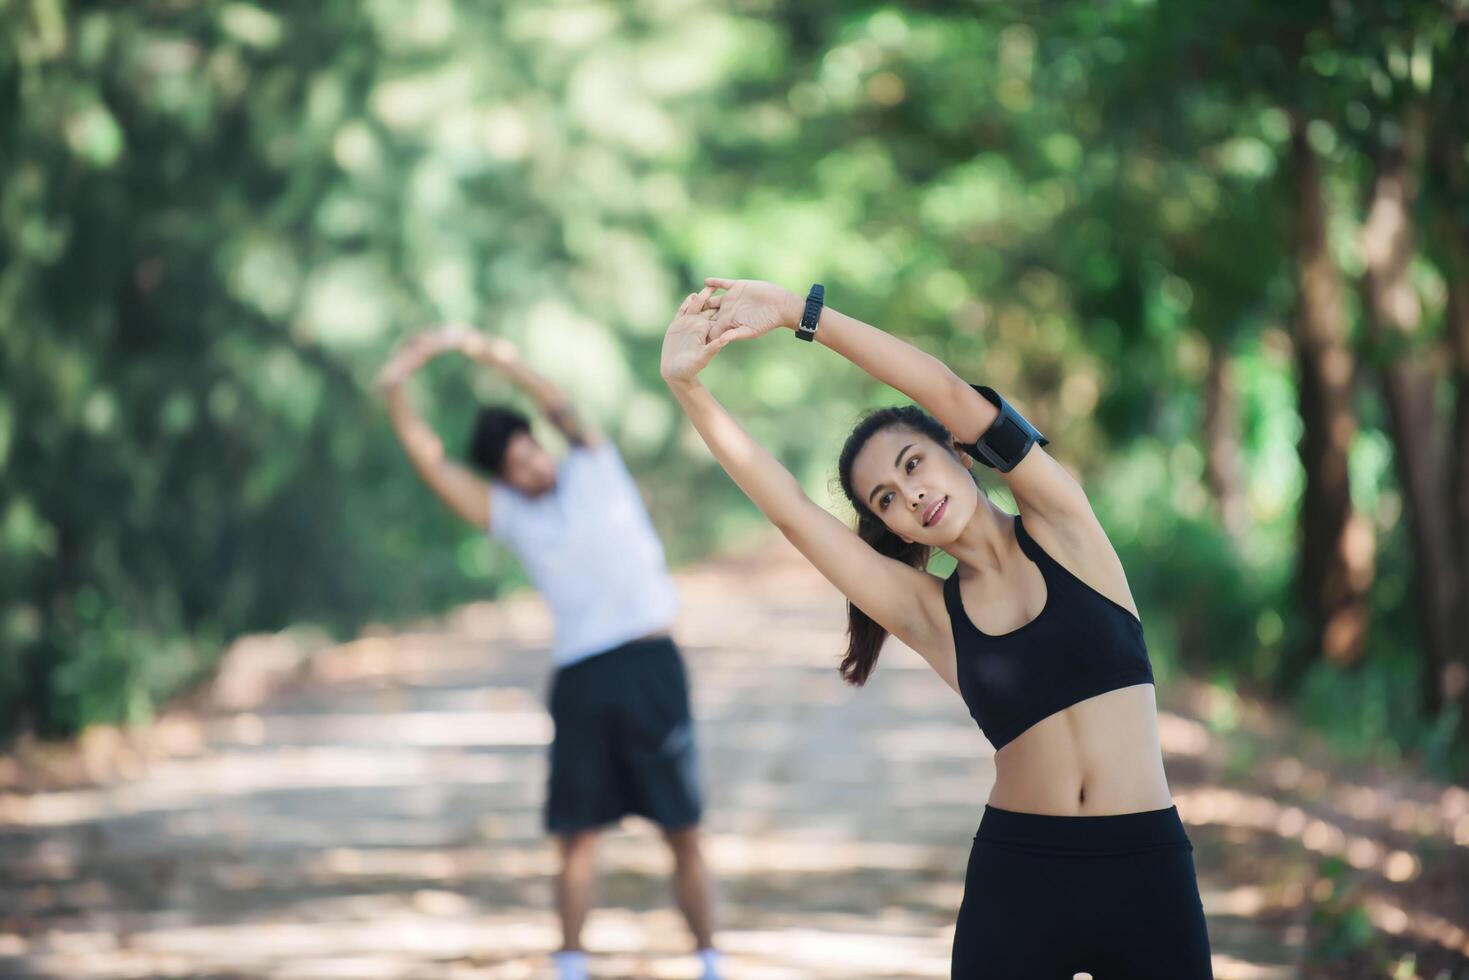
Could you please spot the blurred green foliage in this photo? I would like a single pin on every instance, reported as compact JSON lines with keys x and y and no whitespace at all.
{"x":216,"y":218}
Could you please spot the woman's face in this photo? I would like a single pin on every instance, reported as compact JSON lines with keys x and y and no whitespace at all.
{"x":914,"y":486}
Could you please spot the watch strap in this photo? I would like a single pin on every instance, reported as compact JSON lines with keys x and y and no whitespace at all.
{"x":815,"y":299}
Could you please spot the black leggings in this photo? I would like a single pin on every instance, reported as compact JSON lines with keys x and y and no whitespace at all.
{"x":1047,"y":897}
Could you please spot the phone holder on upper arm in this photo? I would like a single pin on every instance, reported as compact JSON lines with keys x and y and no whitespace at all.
{"x":1009,"y":437}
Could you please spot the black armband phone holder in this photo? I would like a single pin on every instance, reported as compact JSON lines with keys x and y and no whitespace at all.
{"x":1008,"y":438}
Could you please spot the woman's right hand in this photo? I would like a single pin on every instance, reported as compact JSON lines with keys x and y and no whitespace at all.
{"x":689,"y":346}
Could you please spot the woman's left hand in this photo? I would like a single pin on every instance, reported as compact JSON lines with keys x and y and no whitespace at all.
{"x":750,"y":307}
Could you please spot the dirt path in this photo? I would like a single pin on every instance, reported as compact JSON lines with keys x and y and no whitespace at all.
{"x":380,"y":819}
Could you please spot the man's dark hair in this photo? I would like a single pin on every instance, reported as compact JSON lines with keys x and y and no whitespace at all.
{"x":493,"y":428}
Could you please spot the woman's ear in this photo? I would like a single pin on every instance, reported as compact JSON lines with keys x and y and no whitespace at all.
{"x":965,"y":460}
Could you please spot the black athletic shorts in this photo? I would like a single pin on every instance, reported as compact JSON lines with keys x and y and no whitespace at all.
{"x":624,"y":740}
{"x":1047,"y":897}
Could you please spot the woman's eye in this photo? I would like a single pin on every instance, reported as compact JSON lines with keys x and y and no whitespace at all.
{"x":883,"y":503}
{"x":912,"y":462}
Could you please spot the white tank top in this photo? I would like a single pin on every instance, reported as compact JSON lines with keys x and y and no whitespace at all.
{"x":592,"y":552}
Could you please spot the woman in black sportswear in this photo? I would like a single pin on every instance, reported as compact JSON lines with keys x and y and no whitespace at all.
{"x":1080,"y":863}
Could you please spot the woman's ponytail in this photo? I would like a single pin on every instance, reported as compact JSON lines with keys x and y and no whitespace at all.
{"x":864,"y":636}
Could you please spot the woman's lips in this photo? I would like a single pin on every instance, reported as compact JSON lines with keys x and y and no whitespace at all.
{"x":935,"y":513}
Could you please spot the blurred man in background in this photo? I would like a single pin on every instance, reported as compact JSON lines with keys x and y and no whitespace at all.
{"x":624,"y":738}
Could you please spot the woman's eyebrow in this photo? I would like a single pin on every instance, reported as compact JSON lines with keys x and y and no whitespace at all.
{"x":896,"y":461}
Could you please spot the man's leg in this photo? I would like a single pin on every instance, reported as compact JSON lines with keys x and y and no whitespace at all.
{"x":574,"y":884}
{"x":692,"y":888}
{"x":656,"y":753}
{"x":582,"y":796}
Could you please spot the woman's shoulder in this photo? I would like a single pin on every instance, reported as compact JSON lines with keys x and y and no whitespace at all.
{"x":1080,"y":547}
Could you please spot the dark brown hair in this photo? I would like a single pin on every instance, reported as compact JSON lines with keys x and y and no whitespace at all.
{"x":493,"y":428}
{"x":864,"y":636}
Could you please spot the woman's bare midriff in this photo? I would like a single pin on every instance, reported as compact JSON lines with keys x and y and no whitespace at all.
{"x":1097,"y":757}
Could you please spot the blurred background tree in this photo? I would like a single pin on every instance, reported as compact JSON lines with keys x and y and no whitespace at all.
{"x":1219,"y":253}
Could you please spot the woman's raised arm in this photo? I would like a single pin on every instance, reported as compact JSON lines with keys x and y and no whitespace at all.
{"x":1040,"y":484}
{"x":882,"y":587}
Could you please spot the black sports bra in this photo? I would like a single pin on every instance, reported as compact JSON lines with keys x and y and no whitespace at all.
{"x":1082,"y":644}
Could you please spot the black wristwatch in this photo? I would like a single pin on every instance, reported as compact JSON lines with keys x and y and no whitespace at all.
{"x":814,"y":300}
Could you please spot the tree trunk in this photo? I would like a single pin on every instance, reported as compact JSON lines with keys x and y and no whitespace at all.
{"x":1451,"y":208}
{"x":1221,"y":441}
{"x":1456,"y":669}
{"x":1337,"y":547}
{"x":1410,"y":382}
